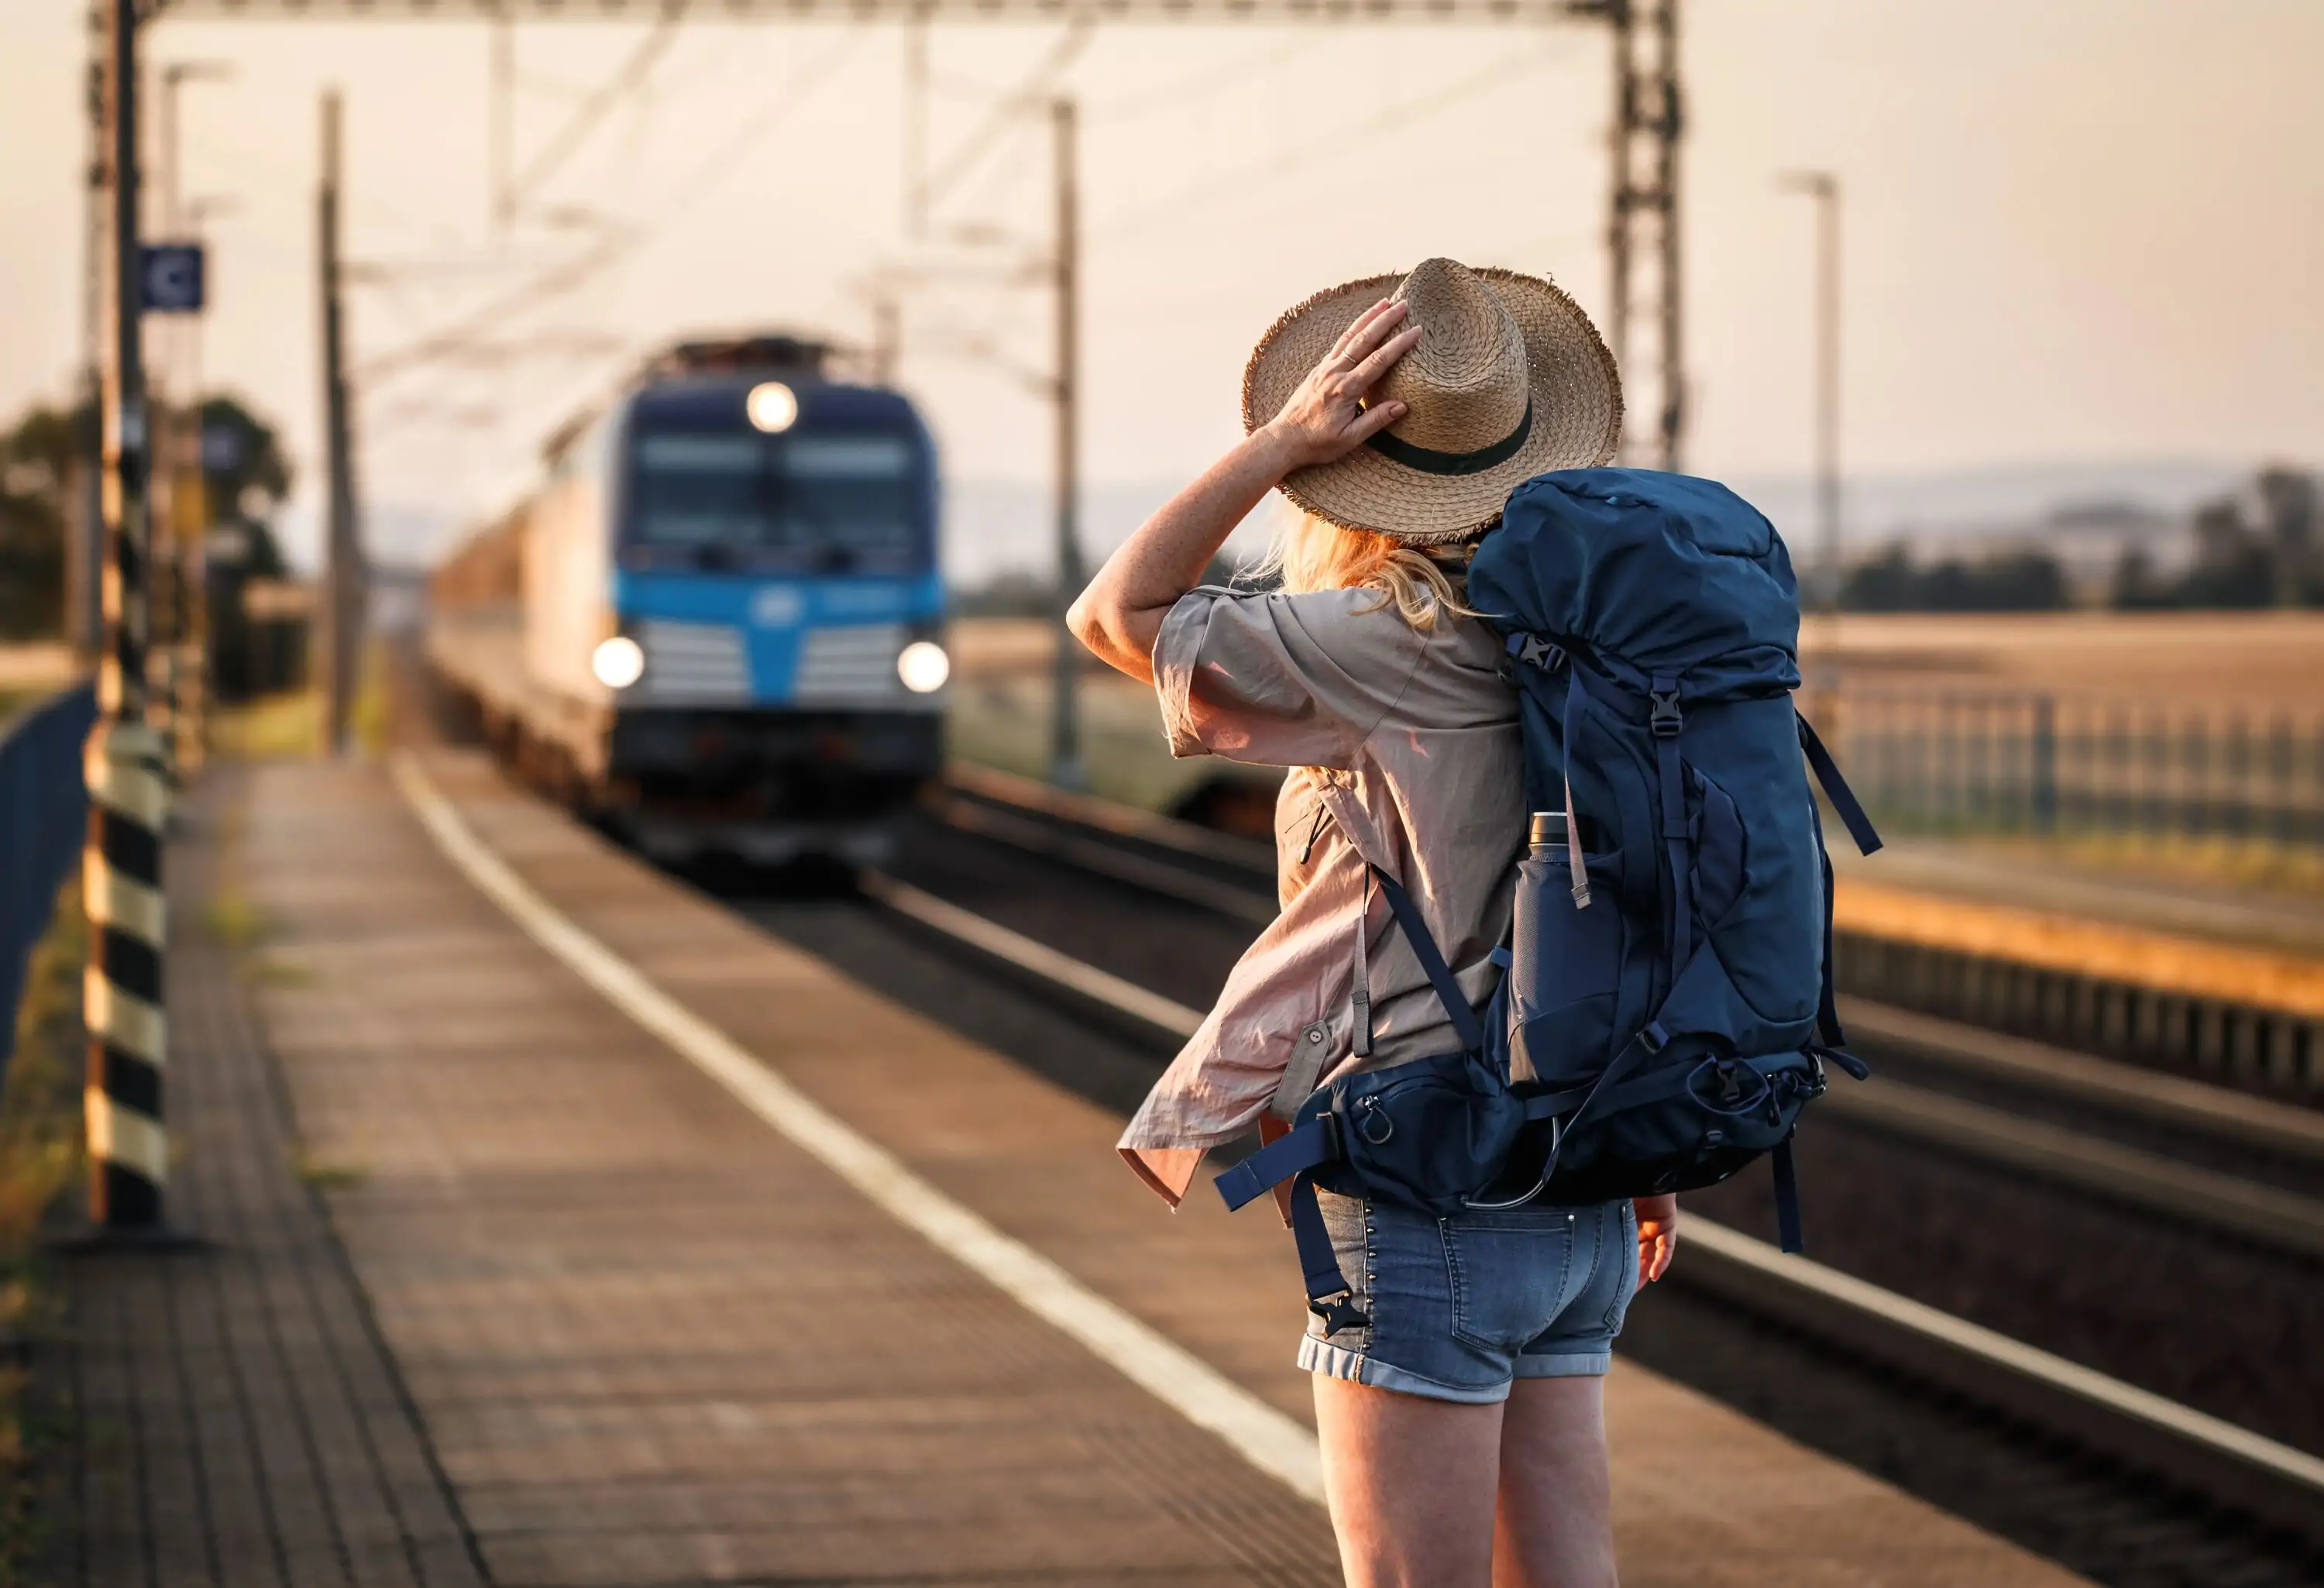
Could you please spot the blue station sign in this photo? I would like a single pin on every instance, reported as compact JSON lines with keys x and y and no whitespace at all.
{"x":173,"y":278}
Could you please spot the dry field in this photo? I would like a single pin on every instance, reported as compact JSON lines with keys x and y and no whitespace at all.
{"x":36,"y":670}
{"x":2255,"y":660}
{"x":1002,"y":647}
{"x":1000,"y":717}
{"x":2237,"y":763}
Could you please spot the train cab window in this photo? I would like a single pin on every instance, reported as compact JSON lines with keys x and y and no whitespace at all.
{"x":825,"y":499}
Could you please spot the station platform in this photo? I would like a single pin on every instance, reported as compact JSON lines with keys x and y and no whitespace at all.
{"x":503,"y":1285}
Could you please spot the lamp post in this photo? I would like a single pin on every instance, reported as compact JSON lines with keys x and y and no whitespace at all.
{"x":1066,"y":767}
{"x":194,"y":517}
{"x":343,"y":571}
{"x":1824,"y":187}
{"x":175,"y":75}
{"x":121,"y":869}
{"x":181,"y":617}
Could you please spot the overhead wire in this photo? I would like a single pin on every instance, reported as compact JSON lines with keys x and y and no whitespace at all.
{"x":1188,"y":92}
{"x":569,"y":276}
{"x":630,"y":75}
{"x":705,"y":178}
{"x":998,"y":121}
{"x":222,"y":148}
{"x":562,"y":279}
{"x":1233,"y":183}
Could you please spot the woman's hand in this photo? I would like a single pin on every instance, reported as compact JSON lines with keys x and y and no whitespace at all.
{"x":1657,"y":1236}
{"x":1325,"y":417}
{"x":1121,"y":612}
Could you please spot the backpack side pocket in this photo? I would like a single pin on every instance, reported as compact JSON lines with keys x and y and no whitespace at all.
{"x":1566,"y":964}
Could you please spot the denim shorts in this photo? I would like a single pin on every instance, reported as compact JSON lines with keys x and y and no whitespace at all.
{"x":1458,"y":1308}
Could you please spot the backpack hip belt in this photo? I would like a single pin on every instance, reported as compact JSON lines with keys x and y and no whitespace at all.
{"x":1433,"y":1134}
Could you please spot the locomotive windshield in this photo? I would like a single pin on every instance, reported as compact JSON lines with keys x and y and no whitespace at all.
{"x":838,"y":498}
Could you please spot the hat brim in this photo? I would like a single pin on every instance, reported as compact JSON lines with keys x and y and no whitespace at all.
{"x":1577,"y":413}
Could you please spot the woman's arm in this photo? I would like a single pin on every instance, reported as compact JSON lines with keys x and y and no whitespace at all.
{"x":1121,"y":612}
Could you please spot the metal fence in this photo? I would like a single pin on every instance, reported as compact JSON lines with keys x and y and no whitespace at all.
{"x":1966,"y":760}
{"x":44,"y":810}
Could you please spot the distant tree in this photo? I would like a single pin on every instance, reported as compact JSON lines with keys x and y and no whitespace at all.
{"x":2259,"y":547}
{"x":2232,"y":568}
{"x":248,"y":476}
{"x":31,"y":568}
{"x":43,"y":447}
{"x":2017,"y":581}
{"x":2137,"y":586}
{"x":41,"y":456}
{"x":37,"y":459}
{"x":2287,"y":500}
{"x":2010,"y":581}
{"x":1885,"y":583}
{"x":243,"y":459}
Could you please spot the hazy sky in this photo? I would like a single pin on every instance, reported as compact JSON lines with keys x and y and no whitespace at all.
{"x":2076,"y":230}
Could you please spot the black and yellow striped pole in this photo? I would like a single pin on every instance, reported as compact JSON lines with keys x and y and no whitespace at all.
{"x":121,"y":995}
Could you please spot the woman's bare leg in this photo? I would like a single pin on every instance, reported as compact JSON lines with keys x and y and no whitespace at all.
{"x":1553,"y":1526}
{"x":1411,"y":1485}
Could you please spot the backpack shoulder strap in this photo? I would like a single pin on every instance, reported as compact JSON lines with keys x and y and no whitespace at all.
{"x":1835,"y":788}
{"x":1466,"y":1024}
{"x":1666,"y":722}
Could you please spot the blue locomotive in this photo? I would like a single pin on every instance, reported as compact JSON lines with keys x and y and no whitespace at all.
{"x":717,"y":626}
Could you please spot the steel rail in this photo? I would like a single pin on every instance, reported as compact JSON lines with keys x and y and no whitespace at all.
{"x":2216,"y":1112}
{"x":2201,"y":1197}
{"x":1251,"y":857}
{"x":2123,"y":994}
{"x":1171,"y":878}
{"x":2206,"y":1199}
{"x":2148,"y":1180}
{"x":2226,"y":1462}
{"x":1027,"y":954}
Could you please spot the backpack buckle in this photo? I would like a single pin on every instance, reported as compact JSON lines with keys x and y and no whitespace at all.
{"x":1536,"y":651}
{"x":1339,"y":1311}
{"x":1667,"y":719}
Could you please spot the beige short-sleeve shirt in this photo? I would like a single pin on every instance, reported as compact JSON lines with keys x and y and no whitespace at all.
{"x":1404,"y":753}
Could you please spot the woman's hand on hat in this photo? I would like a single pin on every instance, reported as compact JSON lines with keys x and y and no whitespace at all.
{"x":1326,"y":417}
{"x":1120,"y":615}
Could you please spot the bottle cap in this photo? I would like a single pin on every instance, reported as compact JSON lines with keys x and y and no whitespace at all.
{"x":1547,"y":827}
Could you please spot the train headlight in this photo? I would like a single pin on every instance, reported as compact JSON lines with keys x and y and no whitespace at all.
{"x":618,"y":662}
{"x":771,"y":406}
{"x":924,"y":666}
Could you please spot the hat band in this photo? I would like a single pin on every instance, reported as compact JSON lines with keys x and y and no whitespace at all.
{"x":1429,"y":461}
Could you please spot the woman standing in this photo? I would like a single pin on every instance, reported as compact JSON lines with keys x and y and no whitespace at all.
{"x":1458,"y":1390}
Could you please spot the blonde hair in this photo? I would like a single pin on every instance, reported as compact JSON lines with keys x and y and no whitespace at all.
{"x":1310,"y":553}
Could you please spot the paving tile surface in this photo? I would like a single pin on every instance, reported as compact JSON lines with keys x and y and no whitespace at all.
{"x":564,"y":1313}
{"x":233,"y":1414}
{"x":654,"y":1341}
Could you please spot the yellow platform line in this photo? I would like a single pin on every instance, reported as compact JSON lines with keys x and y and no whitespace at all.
{"x":2160,"y":962}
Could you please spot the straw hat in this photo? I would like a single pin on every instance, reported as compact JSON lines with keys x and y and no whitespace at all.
{"x":1510,"y":380}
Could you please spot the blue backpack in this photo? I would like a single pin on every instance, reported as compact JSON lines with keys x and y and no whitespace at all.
{"x":1667,"y":1012}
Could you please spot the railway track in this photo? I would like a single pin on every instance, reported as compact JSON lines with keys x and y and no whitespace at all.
{"x":2070,"y":1300}
{"x":2119,"y":1454}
